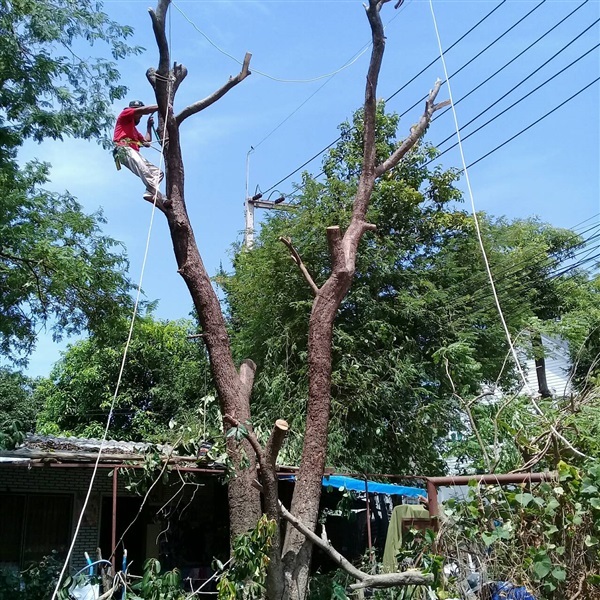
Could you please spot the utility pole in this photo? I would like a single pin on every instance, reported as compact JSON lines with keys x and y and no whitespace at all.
{"x":257,"y":202}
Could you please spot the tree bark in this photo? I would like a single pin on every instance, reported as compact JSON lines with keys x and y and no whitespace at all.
{"x":233,"y":387}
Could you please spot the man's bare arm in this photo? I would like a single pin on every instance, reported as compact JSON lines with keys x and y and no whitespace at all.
{"x":145,"y":110}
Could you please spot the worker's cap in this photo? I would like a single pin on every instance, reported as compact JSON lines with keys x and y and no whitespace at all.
{"x":136,"y":104}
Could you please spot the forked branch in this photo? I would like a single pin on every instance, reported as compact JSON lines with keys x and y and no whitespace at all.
{"x":296,"y":258}
{"x":192,"y":109}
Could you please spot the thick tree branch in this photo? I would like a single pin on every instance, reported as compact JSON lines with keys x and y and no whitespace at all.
{"x":192,"y":109}
{"x":334,"y":240}
{"x":158,"y":26}
{"x":276,"y":441}
{"x":382,"y":580}
{"x":296,"y":258}
{"x":416,"y":131}
{"x":324,"y":545}
{"x":388,"y":580}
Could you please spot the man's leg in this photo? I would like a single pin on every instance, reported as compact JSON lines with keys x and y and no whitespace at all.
{"x":145,"y":170}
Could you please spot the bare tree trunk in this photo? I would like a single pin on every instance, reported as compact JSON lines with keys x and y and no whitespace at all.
{"x":233,"y":387}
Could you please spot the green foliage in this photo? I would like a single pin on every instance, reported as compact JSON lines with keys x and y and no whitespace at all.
{"x":543,"y":537}
{"x":35,"y":582}
{"x":156,"y":585}
{"x":329,"y":586}
{"x":165,"y":378}
{"x":246,"y":578}
{"x":48,"y":91}
{"x":18,"y":410}
{"x":419,"y":327}
{"x":56,"y":268}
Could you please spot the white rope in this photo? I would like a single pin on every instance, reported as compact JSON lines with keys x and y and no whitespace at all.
{"x":482,"y":247}
{"x":119,"y":378}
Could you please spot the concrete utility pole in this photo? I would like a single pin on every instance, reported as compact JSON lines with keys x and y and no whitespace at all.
{"x":256,"y":202}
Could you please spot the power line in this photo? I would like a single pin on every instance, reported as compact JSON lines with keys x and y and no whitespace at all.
{"x":518,"y":289}
{"x":533,"y":91}
{"x":310,"y":80}
{"x":462,"y":37}
{"x":547,"y":114}
{"x":478,"y":86}
{"x":583,"y":89}
{"x":542,"y":261}
{"x":474,"y":57}
{"x":359,"y":53}
{"x":522,"y":82}
{"x":474,"y":89}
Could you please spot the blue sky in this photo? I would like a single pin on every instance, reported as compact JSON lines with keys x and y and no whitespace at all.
{"x":551,"y":171}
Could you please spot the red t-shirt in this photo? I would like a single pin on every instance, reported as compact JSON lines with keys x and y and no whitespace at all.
{"x":125,"y":132}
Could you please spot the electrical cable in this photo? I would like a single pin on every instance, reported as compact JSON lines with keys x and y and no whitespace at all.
{"x":538,"y":87}
{"x":530,"y":93}
{"x":583,"y":89}
{"x":512,"y":60}
{"x":519,"y":267}
{"x":473,"y":58}
{"x":484,"y":256}
{"x":121,"y":370}
{"x":469,"y":93}
{"x":360,"y":52}
{"x":480,"y":295}
{"x":462,"y":37}
{"x":486,"y":155}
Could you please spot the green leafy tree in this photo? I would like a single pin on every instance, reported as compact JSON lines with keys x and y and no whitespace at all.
{"x":165,"y":376}
{"x":18,"y":410}
{"x":16,"y":399}
{"x":56,"y":267}
{"x":419,"y":329}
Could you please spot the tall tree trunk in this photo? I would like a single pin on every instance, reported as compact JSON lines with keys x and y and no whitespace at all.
{"x":233,"y":387}
{"x":288,"y":575}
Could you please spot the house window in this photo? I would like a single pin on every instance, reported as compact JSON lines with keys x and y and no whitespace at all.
{"x":33,"y":525}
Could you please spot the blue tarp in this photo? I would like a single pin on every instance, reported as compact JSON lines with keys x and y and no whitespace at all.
{"x":358,"y":485}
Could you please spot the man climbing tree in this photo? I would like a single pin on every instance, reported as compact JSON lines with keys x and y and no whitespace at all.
{"x":287,"y":577}
{"x":128,"y":141}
